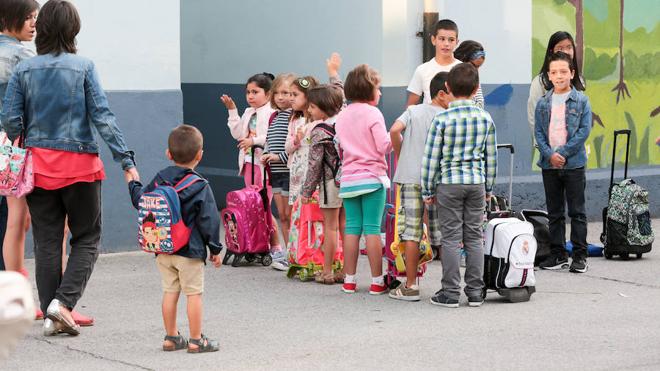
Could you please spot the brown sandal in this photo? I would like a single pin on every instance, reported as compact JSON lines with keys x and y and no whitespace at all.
{"x":339,"y":277}
{"x":326,"y":279}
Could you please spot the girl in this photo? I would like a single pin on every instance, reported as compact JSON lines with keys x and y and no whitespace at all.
{"x":67,"y":169}
{"x":364,"y":141}
{"x":251,"y":130}
{"x":563,"y":123}
{"x":275,"y":155}
{"x":298,"y":141}
{"x":325,"y":102}
{"x":470,"y":51}
{"x":560,"y":41}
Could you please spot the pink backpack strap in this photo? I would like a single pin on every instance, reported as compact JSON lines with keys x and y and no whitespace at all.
{"x":186,"y":182}
{"x":272,"y":118}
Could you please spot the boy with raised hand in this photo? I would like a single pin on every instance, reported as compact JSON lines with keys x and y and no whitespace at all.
{"x":458,"y":174}
{"x":183,"y":271}
{"x":444,"y":38}
{"x":408,"y":135}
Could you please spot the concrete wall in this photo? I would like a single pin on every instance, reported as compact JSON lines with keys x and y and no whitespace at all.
{"x":219,"y":52}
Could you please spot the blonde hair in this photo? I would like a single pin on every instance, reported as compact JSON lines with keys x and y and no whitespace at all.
{"x":281,"y":80}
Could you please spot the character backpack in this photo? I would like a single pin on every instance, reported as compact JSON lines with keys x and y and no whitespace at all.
{"x":161,"y":228}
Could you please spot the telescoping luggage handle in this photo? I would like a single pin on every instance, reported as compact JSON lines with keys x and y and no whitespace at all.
{"x":252,"y":167}
{"x":512,"y":150}
{"x":625,"y":132}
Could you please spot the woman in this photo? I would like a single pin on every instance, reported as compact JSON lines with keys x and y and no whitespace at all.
{"x":58,"y":106}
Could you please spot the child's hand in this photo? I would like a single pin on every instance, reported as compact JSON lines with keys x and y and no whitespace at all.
{"x":269,"y":158}
{"x":304,"y":200}
{"x":228,"y":102}
{"x":429,"y":201}
{"x":333,"y":64}
{"x":557,"y":161}
{"x":300,"y":133}
{"x":245,"y":143}
{"x":215,"y":259}
{"x":131,"y":174}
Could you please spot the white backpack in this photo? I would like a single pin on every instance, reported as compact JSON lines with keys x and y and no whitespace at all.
{"x":509,"y":254}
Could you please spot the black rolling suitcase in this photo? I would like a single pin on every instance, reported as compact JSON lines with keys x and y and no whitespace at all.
{"x":626,"y":219}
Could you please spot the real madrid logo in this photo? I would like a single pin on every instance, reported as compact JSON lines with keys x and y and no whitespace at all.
{"x":525,"y":247}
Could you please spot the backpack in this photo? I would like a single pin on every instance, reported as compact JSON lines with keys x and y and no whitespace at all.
{"x":628,"y":216}
{"x":335,"y":168}
{"x":161,"y":228}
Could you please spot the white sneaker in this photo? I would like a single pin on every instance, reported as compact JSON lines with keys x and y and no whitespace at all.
{"x":280,"y":265}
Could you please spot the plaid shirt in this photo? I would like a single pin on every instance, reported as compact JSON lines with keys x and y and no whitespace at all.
{"x":461,"y":148}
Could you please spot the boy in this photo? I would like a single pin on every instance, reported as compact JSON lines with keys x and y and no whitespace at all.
{"x":184,"y":270}
{"x":458,"y":170}
{"x":415,"y":123}
{"x":444,"y":38}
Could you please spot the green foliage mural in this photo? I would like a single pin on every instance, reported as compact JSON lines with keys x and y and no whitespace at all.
{"x":619,"y":48}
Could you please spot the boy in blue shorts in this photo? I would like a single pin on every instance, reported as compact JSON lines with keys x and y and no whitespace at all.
{"x":184,"y":270}
{"x":408,"y":135}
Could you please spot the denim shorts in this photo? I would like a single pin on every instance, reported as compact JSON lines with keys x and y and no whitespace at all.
{"x":280,"y":183}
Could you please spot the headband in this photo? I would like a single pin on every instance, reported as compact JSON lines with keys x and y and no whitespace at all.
{"x":478,"y":54}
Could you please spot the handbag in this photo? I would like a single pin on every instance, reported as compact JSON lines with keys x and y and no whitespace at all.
{"x":16,"y":177}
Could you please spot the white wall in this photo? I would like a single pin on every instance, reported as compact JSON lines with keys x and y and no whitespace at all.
{"x":134,"y":43}
{"x":504,"y":28}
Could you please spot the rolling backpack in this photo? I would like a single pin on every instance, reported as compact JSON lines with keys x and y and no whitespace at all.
{"x":161,"y":228}
{"x":626,"y":219}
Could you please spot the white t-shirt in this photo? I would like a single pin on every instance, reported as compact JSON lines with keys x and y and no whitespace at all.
{"x":424,"y":73}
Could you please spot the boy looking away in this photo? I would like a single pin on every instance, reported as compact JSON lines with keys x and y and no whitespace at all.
{"x":408,"y":135}
{"x":458,"y":171}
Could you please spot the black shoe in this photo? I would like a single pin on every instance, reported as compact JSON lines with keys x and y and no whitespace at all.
{"x":440,"y":299}
{"x":554,"y":262}
{"x":579,"y":265}
{"x":475,"y":301}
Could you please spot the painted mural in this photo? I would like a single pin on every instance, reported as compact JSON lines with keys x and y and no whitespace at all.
{"x":618,"y":44}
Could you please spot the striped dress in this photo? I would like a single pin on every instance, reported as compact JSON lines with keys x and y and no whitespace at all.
{"x":275,"y":140}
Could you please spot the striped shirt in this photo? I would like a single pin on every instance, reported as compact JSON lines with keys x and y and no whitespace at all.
{"x":275,"y":139}
{"x":461,"y":148}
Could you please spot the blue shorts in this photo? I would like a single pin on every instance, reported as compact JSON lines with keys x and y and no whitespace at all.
{"x":280,"y":183}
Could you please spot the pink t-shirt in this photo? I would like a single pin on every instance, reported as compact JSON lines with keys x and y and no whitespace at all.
{"x":557,"y":132}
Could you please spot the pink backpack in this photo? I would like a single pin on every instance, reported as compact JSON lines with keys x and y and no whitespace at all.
{"x":247,"y":225}
{"x":16,"y":177}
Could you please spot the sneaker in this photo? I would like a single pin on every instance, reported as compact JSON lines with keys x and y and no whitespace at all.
{"x":349,"y":288}
{"x":440,"y":299}
{"x":554,"y":262}
{"x":579,"y":265}
{"x":280,"y":265}
{"x":377,"y":289}
{"x":475,"y":301}
{"x":405,"y":293}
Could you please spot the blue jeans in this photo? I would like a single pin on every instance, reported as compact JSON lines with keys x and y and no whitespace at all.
{"x":566,"y":187}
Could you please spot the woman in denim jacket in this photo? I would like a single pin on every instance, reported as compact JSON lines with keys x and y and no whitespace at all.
{"x":56,"y":99}
{"x":562,"y":124}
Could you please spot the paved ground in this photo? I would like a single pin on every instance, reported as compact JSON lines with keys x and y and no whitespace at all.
{"x":606,"y":319}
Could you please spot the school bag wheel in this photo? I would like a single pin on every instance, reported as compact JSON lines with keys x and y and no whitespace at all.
{"x":237,"y":260}
{"x":250,"y":258}
{"x":266,"y":260}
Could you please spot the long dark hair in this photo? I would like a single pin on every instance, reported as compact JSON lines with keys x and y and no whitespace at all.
{"x":555,"y":39}
{"x":58,"y":25}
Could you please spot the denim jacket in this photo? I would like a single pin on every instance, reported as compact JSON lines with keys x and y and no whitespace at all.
{"x":11,"y":53}
{"x":578,"y":126}
{"x":57,"y":99}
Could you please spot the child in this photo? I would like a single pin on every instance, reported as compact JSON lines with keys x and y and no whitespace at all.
{"x":184,"y":270}
{"x":444,"y":38}
{"x":364,"y":141}
{"x":251,"y":130}
{"x":325,"y":102}
{"x":275,"y":155}
{"x":562,"y":125}
{"x":560,"y":41}
{"x":472,"y":52}
{"x":415,"y":123}
{"x":458,"y":170}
